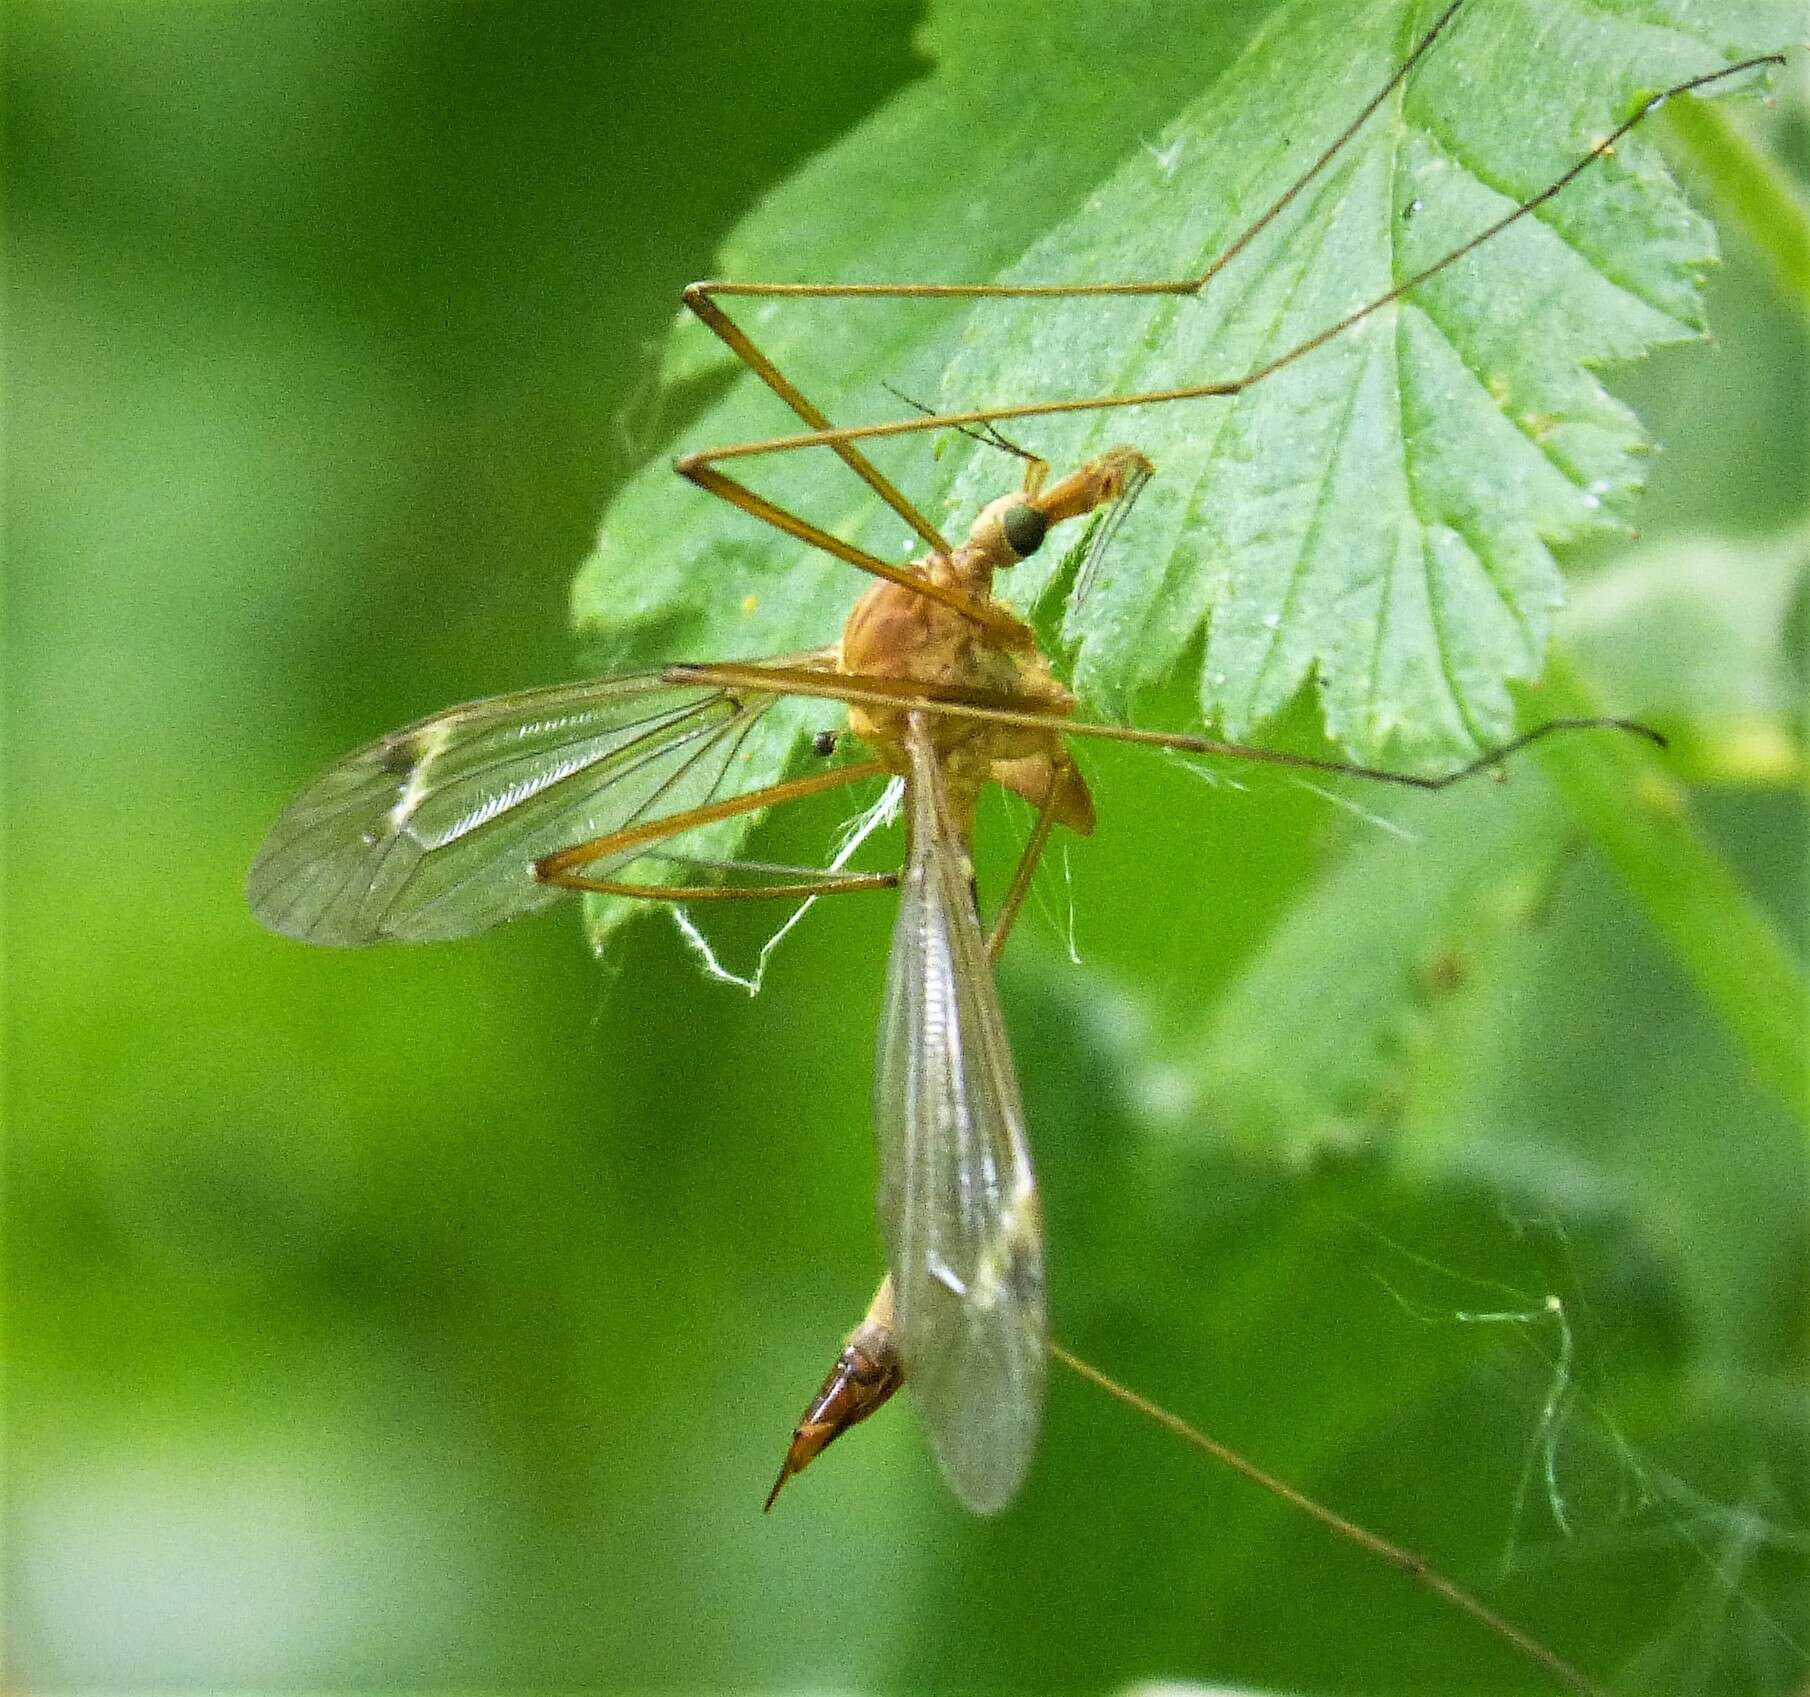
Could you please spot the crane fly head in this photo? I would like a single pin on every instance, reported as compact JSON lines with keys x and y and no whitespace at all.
{"x":1008,"y":530}
{"x":1013,"y":527}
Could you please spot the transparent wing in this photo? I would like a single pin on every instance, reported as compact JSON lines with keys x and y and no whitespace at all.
{"x":958,"y":1204}
{"x":431,"y":831}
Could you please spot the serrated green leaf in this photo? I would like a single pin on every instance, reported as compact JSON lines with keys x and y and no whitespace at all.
{"x":1374,"y":518}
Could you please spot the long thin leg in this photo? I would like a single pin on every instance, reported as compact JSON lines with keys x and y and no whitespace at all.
{"x":997,"y":620}
{"x":1415,"y":1566}
{"x":1223,"y":388}
{"x":1487,"y":761}
{"x":1023,"y":873}
{"x":697,"y":298}
{"x":1190,"y":285}
{"x":561,"y":868}
{"x":804,"y":889}
{"x":974,"y":704}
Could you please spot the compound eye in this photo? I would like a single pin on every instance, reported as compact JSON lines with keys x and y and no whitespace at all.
{"x":1025,"y":529}
{"x":823,"y":744}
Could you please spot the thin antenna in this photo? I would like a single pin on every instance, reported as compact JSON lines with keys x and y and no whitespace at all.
{"x":988,"y":435}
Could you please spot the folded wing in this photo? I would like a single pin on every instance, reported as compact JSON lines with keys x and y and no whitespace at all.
{"x":958,"y":1204}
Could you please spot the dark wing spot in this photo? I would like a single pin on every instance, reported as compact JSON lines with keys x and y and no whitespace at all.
{"x":399,"y":755}
{"x":1023,"y":1276}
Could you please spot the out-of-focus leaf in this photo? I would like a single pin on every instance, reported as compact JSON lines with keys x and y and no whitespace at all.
{"x":1301,"y":1048}
{"x":1752,"y":190}
{"x":1690,"y":635}
{"x":1302,"y":1045}
{"x":1639,"y":818}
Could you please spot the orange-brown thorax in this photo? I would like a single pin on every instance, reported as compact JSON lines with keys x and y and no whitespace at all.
{"x":894,"y":632}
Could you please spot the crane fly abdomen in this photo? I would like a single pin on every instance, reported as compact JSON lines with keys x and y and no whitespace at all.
{"x":864,"y":1376}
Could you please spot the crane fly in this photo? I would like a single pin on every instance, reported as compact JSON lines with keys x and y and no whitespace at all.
{"x":497,"y":808}
{"x":468,"y":818}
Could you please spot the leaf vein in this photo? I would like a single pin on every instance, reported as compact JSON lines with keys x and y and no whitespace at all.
{"x":1310,"y":539}
{"x":1410,"y":489}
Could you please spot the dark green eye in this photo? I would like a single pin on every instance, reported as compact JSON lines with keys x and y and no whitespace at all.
{"x":1025,"y":529}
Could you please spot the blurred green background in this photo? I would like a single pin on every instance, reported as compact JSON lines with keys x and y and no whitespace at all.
{"x":437,"y":1317}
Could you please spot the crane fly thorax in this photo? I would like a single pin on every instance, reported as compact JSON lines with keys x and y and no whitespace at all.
{"x":896,"y":633}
